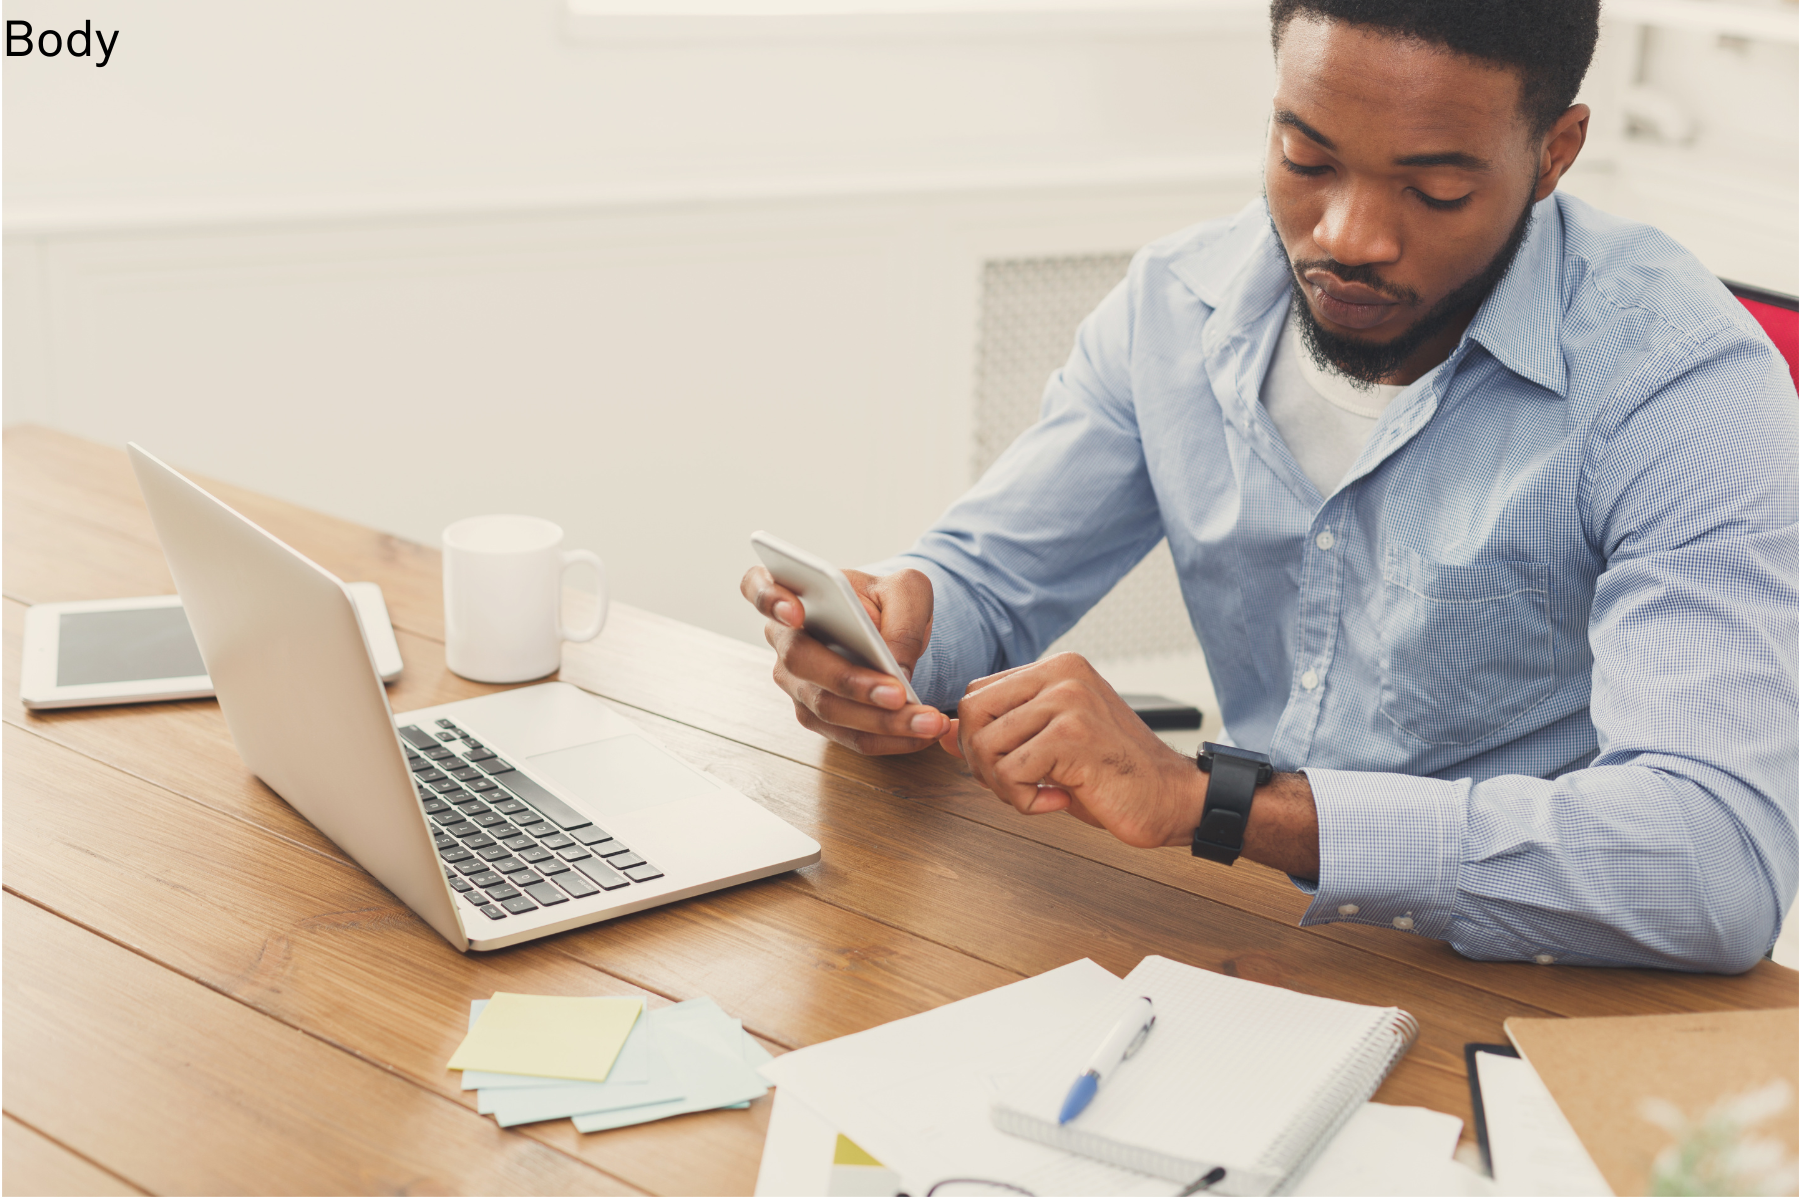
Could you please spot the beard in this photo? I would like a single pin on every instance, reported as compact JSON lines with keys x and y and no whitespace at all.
{"x":1367,"y":363}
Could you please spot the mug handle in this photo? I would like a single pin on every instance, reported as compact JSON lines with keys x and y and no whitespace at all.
{"x":570,"y":558}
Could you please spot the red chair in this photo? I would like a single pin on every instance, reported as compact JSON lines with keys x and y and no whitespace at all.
{"x":1777,"y":314}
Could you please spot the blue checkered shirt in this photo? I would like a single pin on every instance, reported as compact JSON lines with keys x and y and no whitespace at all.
{"x":1536,"y":653}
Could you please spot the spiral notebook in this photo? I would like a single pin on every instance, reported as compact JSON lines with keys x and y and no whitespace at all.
{"x":1236,"y":1075}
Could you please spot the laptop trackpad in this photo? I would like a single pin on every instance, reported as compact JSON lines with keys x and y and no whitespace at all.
{"x":620,"y":775}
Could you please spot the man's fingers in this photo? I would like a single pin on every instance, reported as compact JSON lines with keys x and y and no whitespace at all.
{"x":771,"y":599}
{"x":855,"y":739}
{"x":807,"y":659}
{"x":914,"y":721}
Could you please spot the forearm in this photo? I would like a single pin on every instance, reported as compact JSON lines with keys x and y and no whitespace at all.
{"x":1283,"y":830}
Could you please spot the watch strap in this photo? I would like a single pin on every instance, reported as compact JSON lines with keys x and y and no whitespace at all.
{"x":1232,"y":781}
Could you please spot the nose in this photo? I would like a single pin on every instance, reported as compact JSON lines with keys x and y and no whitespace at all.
{"x":1359,"y":227}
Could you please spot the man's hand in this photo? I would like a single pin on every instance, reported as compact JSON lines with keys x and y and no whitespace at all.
{"x":853,"y":706}
{"x":1055,"y":737}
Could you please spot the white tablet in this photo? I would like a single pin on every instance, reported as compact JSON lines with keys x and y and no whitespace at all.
{"x":130,"y":651}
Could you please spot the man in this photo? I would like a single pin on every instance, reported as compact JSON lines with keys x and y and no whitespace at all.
{"x":1483,"y":506}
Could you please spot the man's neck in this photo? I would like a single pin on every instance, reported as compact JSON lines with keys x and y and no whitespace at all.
{"x":1431,"y":353}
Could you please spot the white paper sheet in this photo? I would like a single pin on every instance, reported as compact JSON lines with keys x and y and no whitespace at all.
{"x":915,"y":1094}
{"x":1535,"y":1151}
{"x":798,"y":1150}
{"x":1393,"y":1150}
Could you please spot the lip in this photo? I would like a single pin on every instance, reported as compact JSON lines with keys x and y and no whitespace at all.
{"x":1350,"y":305}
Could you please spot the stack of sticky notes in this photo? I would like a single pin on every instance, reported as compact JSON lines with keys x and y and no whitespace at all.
{"x":604,"y":1061}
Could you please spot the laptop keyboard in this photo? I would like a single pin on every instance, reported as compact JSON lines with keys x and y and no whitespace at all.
{"x":509,"y":846}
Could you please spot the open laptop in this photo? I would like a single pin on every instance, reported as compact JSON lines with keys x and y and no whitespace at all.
{"x":498,"y":819}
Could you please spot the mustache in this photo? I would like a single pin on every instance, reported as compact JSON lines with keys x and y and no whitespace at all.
{"x":1363,"y":274}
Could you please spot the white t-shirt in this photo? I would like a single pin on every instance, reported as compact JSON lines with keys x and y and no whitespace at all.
{"x":1323,"y":417}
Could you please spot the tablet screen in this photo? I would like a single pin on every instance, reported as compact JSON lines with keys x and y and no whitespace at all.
{"x":125,"y":645}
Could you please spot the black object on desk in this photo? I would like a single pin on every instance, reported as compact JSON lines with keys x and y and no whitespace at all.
{"x":1160,"y":712}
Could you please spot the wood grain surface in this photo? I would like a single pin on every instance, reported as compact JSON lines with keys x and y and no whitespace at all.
{"x":206,"y":995}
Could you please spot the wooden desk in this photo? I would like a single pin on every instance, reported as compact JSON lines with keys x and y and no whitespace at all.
{"x":204,"y":995}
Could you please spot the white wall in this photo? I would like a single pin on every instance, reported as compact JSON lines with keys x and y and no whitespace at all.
{"x":408,"y":260}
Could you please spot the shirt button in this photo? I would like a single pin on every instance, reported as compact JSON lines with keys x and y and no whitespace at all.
{"x":1325,"y":541}
{"x":1348,"y":910}
{"x":1543,"y":960}
{"x":1402,"y":922}
{"x":1310,"y":680}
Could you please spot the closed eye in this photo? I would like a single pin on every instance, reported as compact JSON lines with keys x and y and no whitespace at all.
{"x":1297,"y":169}
{"x":1442,"y":205}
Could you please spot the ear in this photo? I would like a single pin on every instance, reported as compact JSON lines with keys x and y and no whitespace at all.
{"x":1561,"y":145}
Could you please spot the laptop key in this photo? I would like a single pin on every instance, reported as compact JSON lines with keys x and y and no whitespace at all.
{"x":518,"y":904}
{"x":462,"y":829}
{"x":557,"y":841}
{"x":446,"y":785}
{"x":544,"y":894}
{"x":417,"y":736}
{"x":643,"y":873}
{"x":623,"y":862}
{"x":434,"y":806}
{"x":574,"y":853}
{"x":478,"y":752}
{"x":542,"y":799}
{"x":466,"y":773}
{"x":430,"y":774}
{"x":435,"y":752}
{"x":590,"y":835}
{"x":472,"y":807}
{"x":494,"y":853}
{"x":455,"y":856}
{"x":457,"y":797}
{"x":487,"y":878}
{"x":507,"y":865}
{"x":502,"y":891}
{"x":535,"y":855}
{"x":474,"y":867}
{"x":502,"y":831}
{"x":576,"y":884}
{"x":512,"y":808}
{"x":553,"y":866}
{"x":494,"y":766}
{"x":488,"y":818}
{"x":597,"y":870}
{"x":461,"y":884}
{"x":516,"y":844}
{"x":608,"y":847}
{"x":444,"y":841}
{"x":482,"y":785}
{"x":493,"y":911}
{"x":540,"y":828}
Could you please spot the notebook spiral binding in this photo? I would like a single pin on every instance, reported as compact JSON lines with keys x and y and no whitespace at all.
{"x":1354,"y":1083}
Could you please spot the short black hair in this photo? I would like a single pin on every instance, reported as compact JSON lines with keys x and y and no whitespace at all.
{"x":1548,"y":42}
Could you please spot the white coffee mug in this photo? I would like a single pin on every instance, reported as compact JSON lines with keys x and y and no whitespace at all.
{"x":503,"y":579}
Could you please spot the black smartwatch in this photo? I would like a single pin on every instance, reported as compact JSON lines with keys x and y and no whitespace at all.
{"x":1233,"y":775}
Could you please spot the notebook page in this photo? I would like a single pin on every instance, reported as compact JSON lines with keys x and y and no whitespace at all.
{"x":1229,"y":1068}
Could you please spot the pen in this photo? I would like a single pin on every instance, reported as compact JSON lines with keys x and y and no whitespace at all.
{"x":1119,"y":1045}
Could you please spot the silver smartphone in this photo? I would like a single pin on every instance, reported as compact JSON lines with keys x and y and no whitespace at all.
{"x":834,"y":614}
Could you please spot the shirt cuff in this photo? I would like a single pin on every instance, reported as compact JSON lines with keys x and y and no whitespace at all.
{"x":1390,"y":850}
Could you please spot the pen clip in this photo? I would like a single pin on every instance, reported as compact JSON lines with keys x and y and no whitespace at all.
{"x":1139,"y":1039}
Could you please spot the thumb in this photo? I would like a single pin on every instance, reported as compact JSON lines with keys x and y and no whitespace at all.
{"x":905,"y":601}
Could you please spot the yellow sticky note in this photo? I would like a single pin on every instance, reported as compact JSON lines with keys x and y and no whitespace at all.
{"x":562,"y":1037}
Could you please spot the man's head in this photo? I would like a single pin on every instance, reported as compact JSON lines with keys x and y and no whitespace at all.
{"x":1409,"y":140}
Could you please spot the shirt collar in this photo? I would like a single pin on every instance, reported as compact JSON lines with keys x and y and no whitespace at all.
{"x":1520,"y":323}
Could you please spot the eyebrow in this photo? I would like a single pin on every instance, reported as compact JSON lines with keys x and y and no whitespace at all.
{"x":1447,"y":158}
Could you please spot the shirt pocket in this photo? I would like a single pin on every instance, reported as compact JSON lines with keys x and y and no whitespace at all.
{"x":1466,"y":648}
